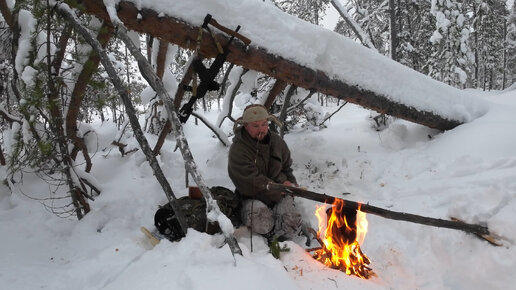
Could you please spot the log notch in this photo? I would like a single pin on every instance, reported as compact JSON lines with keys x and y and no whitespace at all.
{"x":256,"y":58}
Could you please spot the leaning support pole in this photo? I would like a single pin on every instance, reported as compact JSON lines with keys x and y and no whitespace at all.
{"x":184,"y":34}
{"x":212,"y":208}
{"x":479,"y":230}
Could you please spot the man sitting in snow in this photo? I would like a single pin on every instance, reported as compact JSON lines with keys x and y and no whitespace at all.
{"x":256,"y":158}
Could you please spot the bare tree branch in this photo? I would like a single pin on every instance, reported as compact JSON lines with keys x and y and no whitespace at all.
{"x":69,"y":15}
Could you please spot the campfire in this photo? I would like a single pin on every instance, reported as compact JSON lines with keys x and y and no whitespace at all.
{"x":341,"y":232}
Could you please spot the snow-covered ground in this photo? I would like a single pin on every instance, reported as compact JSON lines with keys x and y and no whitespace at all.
{"x":468,"y":172}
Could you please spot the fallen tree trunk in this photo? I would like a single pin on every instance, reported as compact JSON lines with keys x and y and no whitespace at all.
{"x":456,"y":225}
{"x":183,"y":34}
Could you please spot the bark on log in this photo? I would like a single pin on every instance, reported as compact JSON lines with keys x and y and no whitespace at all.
{"x":456,"y":225}
{"x":256,"y":58}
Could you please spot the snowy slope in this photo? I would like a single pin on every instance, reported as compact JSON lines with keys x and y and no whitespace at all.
{"x":466,"y":172}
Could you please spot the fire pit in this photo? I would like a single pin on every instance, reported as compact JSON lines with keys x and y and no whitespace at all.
{"x":341,"y":232}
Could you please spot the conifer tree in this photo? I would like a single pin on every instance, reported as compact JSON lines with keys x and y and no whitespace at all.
{"x":451,"y":59}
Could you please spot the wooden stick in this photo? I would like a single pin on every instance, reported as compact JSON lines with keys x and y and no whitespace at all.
{"x":456,"y":225}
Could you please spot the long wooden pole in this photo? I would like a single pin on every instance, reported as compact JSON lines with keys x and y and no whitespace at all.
{"x":478,"y":230}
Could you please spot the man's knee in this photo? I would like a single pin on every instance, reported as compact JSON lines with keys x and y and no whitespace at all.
{"x":288,"y":219}
{"x":256,"y":215}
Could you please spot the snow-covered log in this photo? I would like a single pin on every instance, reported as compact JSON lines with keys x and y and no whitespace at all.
{"x":259,"y":59}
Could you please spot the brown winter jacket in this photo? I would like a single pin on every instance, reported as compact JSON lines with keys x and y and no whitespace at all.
{"x":253,"y":164}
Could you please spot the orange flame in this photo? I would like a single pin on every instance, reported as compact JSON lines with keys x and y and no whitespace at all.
{"x":341,"y":232}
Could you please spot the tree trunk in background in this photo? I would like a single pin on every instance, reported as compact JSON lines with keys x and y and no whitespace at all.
{"x":56,"y":126}
{"x":274,"y":92}
{"x":88,"y":69}
{"x":504,"y":57}
{"x":359,"y":33}
{"x":161,"y":58}
{"x":476,"y":81}
{"x":2,"y":158}
{"x":286,"y":104}
{"x":393,"y":31}
{"x":189,"y":74}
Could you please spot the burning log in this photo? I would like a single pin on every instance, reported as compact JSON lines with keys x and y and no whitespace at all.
{"x":478,"y":230}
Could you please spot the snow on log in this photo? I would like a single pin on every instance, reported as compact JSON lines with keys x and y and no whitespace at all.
{"x":383,"y":85}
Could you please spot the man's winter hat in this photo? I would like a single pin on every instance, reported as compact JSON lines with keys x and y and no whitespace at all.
{"x":256,"y":112}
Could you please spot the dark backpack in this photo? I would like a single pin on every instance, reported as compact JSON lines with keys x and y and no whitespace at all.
{"x":194,"y":210}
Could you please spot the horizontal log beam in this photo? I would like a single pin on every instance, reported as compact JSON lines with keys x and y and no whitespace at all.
{"x":183,"y":34}
{"x":388,"y":214}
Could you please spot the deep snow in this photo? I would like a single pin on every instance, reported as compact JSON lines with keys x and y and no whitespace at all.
{"x":466,"y":172}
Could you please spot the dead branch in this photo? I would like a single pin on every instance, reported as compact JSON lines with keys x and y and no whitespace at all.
{"x":283,"y":112}
{"x":292,"y":108}
{"x":327,"y":118}
{"x":220,"y":135}
{"x":68,"y":14}
{"x":223,"y":83}
{"x":6,"y":12}
{"x":161,"y":58}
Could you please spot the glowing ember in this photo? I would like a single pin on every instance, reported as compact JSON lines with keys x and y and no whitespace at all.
{"x":341,"y":231}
